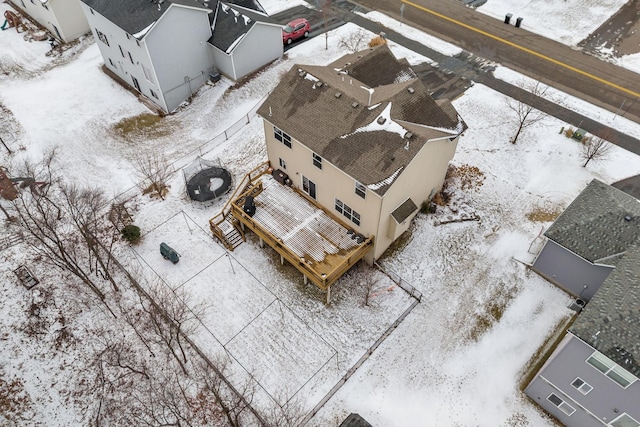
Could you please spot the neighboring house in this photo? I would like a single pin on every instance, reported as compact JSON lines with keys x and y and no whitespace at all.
{"x":363,"y":138}
{"x":591,"y":378}
{"x":586,"y":241}
{"x":162,"y":49}
{"x":64,"y":19}
{"x":243,"y":40}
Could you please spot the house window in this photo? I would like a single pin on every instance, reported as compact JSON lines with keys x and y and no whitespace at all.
{"x":348,"y":213}
{"x":32,"y":1}
{"x":45,"y":6}
{"x":608,"y":367}
{"x":282,"y":163}
{"x":23,"y":5}
{"x":317,"y":161}
{"x":282,"y":137}
{"x":112,"y":64}
{"x":92,"y":12}
{"x":153,"y":93}
{"x":128,"y":36}
{"x":102,"y":37}
{"x":121,"y":51}
{"x":361,"y":190}
{"x":309,"y":187}
{"x":138,"y":42}
{"x":624,"y":420}
{"x":561,"y":404}
{"x":136,"y":84}
{"x":581,"y":386}
{"x":131,"y":58}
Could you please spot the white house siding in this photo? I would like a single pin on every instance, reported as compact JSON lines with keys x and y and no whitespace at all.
{"x":261,"y":45}
{"x":421,"y":179}
{"x":224,"y":62}
{"x":569,"y":271}
{"x":116,"y":53}
{"x":180,"y":54}
{"x":604,"y":403}
{"x":331,"y":183}
{"x":64,"y":19}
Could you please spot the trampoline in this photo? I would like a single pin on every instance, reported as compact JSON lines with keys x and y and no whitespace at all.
{"x":206,"y":180}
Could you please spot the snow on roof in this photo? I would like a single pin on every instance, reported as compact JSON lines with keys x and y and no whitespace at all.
{"x":387,"y":181}
{"x":382,"y":122}
{"x":140,"y":34}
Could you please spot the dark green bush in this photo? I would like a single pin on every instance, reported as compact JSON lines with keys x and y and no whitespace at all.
{"x":131,"y":233}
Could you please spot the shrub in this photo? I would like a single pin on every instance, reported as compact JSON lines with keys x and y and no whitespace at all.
{"x":131,"y":233}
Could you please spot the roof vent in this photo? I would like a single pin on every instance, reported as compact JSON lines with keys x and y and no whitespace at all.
{"x":410,"y":90}
{"x":408,"y":135}
{"x":381,"y":120}
{"x":628,"y":217}
{"x":355,"y":105}
{"x":302,"y":73}
{"x":338,"y":94}
{"x":319,"y":84}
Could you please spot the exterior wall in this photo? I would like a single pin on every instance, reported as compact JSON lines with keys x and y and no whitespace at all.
{"x":420,"y":180}
{"x":64,"y":19}
{"x":603,"y":404}
{"x":179,"y":52}
{"x":224,"y":62}
{"x":569,"y":271}
{"x":331,"y":183}
{"x":261,"y":45}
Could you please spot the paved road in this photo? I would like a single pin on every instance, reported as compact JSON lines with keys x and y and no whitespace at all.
{"x":468,"y":66}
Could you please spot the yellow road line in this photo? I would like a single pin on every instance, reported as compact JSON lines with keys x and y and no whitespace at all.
{"x":522,"y":48}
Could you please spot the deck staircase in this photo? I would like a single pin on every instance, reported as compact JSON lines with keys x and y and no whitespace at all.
{"x":224,"y":226}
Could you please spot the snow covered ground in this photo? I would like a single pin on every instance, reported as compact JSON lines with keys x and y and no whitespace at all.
{"x":459,"y":356}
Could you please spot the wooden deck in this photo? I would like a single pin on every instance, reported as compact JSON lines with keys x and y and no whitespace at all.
{"x":314,"y":241}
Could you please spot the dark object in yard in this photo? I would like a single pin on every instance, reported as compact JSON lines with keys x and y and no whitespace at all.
{"x":507,"y":18}
{"x":249,"y":206}
{"x":168,"y":253}
{"x":518,"y":22}
{"x":359,"y":238}
{"x":214,"y":77}
{"x":281,"y":177}
{"x":355,"y":420}
{"x":206,"y":180}
{"x":25,"y":277}
{"x":579,"y":134}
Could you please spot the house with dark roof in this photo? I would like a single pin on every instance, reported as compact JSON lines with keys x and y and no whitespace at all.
{"x":591,"y":377}
{"x":64,"y":19}
{"x":166,"y":49}
{"x":362,"y":138}
{"x":243,"y":40}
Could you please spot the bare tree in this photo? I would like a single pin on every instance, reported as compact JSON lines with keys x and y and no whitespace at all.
{"x":354,"y":41}
{"x":525,"y":115}
{"x":154,"y":169}
{"x":595,"y":148}
{"x":62,"y":225}
{"x":327,"y":14}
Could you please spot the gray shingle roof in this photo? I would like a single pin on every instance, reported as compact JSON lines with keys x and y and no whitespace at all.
{"x":337,"y":116}
{"x":134,"y":16}
{"x":611,"y":320}
{"x":594,"y":225}
{"x":231,"y":23}
{"x":403,"y":211}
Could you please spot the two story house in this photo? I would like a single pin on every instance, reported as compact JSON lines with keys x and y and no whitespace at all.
{"x":593,"y":252}
{"x":167,"y":49}
{"x":363,"y":138}
{"x":64,"y":19}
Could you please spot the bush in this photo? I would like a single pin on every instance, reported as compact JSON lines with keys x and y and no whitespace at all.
{"x":131,"y":233}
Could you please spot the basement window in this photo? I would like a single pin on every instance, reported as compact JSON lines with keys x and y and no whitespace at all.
{"x":581,"y":386}
{"x":561,"y":404}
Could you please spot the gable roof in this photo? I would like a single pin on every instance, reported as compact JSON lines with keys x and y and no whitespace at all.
{"x":231,"y":23}
{"x":599,"y":225}
{"x":134,"y":16}
{"x":610,"y":322}
{"x":370,"y":132}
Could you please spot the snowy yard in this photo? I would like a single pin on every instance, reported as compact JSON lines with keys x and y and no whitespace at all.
{"x":458,"y":358}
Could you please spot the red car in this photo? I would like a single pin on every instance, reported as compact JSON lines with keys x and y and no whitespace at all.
{"x":294,"y":30}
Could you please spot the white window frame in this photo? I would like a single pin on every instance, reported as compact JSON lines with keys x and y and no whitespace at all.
{"x":347,"y":212}
{"x":282,"y":163}
{"x":629,"y":418}
{"x":562,"y":405}
{"x":611,"y":369}
{"x":317,"y":161}
{"x":361,"y":190}
{"x":282,"y":136}
{"x":584,"y":388}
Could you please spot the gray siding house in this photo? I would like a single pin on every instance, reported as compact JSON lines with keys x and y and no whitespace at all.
{"x":162,"y":48}
{"x":64,"y":19}
{"x":591,"y":378}
{"x":243,"y":40}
